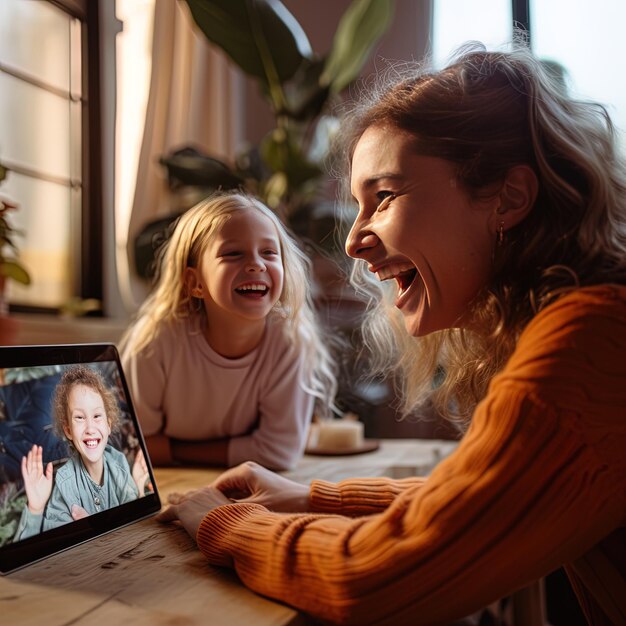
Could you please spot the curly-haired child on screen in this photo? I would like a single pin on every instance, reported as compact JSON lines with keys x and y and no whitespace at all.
{"x":97,"y":476}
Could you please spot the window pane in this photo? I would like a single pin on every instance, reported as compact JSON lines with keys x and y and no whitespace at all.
{"x":35,"y":127}
{"x":44,"y":216}
{"x":40,"y":143}
{"x":457,"y":21}
{"x":587,"y":39}
{"x":34,"y":38}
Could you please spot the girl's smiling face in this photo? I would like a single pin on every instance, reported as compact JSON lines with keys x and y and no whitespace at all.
{"x":240,"y":275}
{"x":415,"y":225}
{"x":88,"y":428}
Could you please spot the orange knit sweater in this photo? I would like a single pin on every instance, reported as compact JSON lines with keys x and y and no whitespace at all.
{"x":538,"y":481}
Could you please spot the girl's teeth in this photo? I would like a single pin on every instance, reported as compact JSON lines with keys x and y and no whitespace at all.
{"x":252,"y":288}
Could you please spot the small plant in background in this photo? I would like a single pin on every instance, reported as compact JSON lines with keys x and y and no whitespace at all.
{"x":10,"y":266}
{"x":11,"y":504}
{"x":79,"y":307}
{"x":286,"y":169}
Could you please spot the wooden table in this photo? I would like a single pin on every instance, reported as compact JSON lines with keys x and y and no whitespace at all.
{"x":150,"y":573}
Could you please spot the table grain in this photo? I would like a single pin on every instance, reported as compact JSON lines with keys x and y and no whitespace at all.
{"x":152,"y":573}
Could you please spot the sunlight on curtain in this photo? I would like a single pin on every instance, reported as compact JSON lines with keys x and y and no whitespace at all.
{"x":134,"y":61}
{"x":193,"y":99}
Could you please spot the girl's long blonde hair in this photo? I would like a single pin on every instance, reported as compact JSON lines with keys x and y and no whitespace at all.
{"x":486,"y":113}
{"x":170,"y":298}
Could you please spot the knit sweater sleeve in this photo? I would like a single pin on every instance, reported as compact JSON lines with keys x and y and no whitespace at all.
{"x":537,"y":481}
{"x":358,"y":496}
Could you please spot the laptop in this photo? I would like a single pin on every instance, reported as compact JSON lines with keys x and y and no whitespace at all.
{"x":73,"y":462}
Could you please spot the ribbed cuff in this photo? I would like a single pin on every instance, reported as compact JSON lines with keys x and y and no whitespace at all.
{"x":215,"y":533}
{"x":325,"y":497}
{"x":358,"y":496}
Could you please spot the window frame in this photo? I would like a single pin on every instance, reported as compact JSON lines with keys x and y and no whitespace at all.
{"x":88,"y":280}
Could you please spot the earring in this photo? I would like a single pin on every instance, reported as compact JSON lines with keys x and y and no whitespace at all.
{"x":196,"y":292}
{"x":500,"y":235}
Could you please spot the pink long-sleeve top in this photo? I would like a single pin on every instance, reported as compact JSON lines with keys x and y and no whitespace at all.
{"x":538,"y":481}
{"x":183,"y":389}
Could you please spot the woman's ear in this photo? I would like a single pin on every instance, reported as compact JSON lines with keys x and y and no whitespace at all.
{"x":518,"y":195}
{"x":193,"y":283}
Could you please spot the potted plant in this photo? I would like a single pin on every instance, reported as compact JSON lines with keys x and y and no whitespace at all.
{"x":286,"y":169}
{"x":268,"y":44}
{"x":10,"y":266}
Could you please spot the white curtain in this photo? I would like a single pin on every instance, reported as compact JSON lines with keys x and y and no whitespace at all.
{"x":194,"y":99}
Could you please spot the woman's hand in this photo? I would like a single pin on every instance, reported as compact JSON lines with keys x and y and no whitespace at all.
{"x":38,"y":485}
{"x":250,"y":482}
{"x":191,"y":507}
{"x":140,"y":472}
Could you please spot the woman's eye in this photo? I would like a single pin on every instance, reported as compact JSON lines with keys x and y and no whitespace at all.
{"x":270,"y":252}
{"x":233,"y":253}
{"x":384,"y":200}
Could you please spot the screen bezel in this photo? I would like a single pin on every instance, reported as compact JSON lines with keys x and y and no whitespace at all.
{"x":14,"y":556}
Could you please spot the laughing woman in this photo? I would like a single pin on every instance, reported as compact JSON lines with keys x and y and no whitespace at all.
{"x":494,"y":205}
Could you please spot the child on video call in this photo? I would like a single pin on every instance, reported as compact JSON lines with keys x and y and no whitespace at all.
{"x":97,"y":476}
{"x":225,"y":359}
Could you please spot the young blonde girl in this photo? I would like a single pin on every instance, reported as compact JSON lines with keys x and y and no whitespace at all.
{"x":225,"y":360}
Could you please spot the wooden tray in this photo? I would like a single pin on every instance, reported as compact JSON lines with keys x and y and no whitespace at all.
{"x":368,"y":445}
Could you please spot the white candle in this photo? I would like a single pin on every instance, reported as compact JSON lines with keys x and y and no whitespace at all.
{"x":339,"y":434}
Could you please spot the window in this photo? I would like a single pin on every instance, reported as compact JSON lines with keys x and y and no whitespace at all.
{"x":48,"y":113}
{"x":456,"y":22}
{"x":584,"y":38}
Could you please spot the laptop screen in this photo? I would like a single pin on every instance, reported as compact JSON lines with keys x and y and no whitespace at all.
{"x":73,"y":463}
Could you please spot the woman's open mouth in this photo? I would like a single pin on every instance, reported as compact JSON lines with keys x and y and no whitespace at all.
{"x":403,"y":273}
{"x":91,"y":444}
{"x":405,"y":280}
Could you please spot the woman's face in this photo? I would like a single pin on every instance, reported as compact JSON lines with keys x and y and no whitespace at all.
{"x":418,"y":227}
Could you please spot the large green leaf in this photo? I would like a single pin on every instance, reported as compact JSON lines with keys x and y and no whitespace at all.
{"x":304,"y":97}
{"x":190,"y":167}
{"x":361,"y":26}
{"x":12,"y":269}
{"x":260,"y":36}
